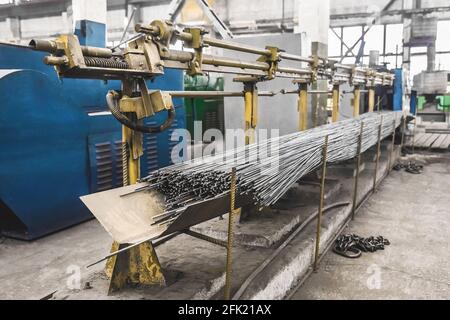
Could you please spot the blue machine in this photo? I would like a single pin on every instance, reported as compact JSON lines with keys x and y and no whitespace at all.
{"x":58,"y":143}
{"x":397,"y":103}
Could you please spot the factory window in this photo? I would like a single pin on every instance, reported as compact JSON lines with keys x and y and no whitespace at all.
{"x":394,"y":38}
{"x":351,"y":35}
{"x":334,"y":43}
{"x":374,"y":39}
{"x":418,"y":64}
{"x":443,"y":61}
{"x":443,"y":29}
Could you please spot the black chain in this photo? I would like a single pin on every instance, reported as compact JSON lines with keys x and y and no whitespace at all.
{"x":352,"y":245}
{"x":411,"y":167}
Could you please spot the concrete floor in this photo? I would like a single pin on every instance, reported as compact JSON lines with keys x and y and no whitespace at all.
{"x":413,"y":212}
{"x":409,"y":210}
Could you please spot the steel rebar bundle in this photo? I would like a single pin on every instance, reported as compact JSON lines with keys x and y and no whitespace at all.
{"x":269,"y":168}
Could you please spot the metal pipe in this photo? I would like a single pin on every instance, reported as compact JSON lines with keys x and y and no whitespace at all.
{"x":51,"y":47}
{"x":235,"y":46}
{"x":209,"y":94}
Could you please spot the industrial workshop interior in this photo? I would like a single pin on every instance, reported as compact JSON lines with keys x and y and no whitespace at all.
{"x":203,"y":151}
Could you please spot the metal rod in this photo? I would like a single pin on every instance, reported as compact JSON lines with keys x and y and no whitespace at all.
{"x":208,"y":94}
{"x":403,"y":133}
{"x":391,"y":154}
{"x":377,"y":157}
{"x":321,"y":200}
{"x":206,"y":238}
{"x":358,"y":164}
{"x":228,"y":271}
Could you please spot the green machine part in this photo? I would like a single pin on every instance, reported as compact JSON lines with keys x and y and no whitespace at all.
{"x":444,"y":103}
{"x":210,"y":111}
{"x":421,"y":102}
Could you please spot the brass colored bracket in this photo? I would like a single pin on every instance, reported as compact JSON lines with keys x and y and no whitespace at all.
{"x":196,"y":43}
{"x":273,"y":59}
{"x":148,"y":104}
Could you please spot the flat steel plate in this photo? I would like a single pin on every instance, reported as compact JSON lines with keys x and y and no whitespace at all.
{"x":127,"y":213}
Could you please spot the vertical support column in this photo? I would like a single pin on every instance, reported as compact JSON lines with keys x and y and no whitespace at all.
{"x":403,"y":133}
{"x":233,"y":211}
{"x":358,"y":164}
{"x":303,"y":106}
{"x":414,"y":133}
{"x":356,"y":101}
{"x":321,"y":200}
{"x":391,"y":155}
{"x":140,"y":264}
{"x":377,"y":157}
{"x":336,"y":96}
{"x":371,"y":99}
{"x":251,"y":111}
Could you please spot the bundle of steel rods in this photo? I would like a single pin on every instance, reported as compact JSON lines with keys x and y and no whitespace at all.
{"x":267,"y":169}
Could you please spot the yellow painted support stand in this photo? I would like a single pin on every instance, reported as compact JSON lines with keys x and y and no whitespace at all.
{"x":335,"y":113}
{"x":371,"y":100}
{"x":356,"y":101}
{"x":139,"y":265}
{"x":303,"y":106}
{"x":251,"y":111}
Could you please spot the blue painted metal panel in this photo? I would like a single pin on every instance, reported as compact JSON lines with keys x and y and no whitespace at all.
{"x":398,"y":90}
{"x":413,"y":103}
{"x":55,"y":149}
{"x":44,"y":163}
{"x":91,"y":33}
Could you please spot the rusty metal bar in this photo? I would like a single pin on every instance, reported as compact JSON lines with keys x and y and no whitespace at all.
{"x":377,"y":157}
{"x":358,"y":164}
{"x":321,"y":201}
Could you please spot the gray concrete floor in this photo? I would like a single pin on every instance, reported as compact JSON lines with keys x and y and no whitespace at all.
{"x":413,"y":212}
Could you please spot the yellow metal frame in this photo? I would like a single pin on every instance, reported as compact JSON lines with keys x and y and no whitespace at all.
{"x":139,"y":265}
{"x":336,"y":97}
{"x":251,"y":111}
{"x":356,"y":101}
{"x":371,"y":99}
{"x":303,"y":106}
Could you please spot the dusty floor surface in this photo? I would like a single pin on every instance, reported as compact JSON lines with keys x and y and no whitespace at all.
{"x":413,"y":212}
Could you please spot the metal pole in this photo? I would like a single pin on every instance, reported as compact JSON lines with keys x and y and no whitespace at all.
{"x":322,"y":193}
{"x":403,"y":133}
{"x":391,"y":155}
{"x":230,"y":235}
{"x":358,"y":164}
{"x":371,"y":99}
{"x":377,"y":157}
{"x":303,"y":106}
{"x":414,"y":132}
{"x":356,"y":101}
{"x":335,"y":114}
